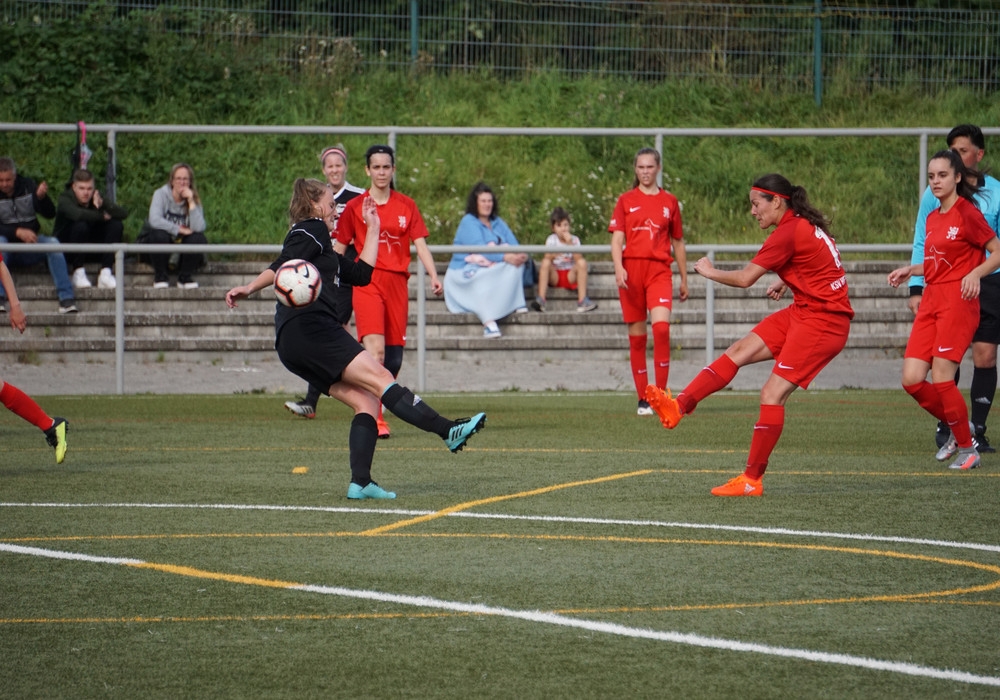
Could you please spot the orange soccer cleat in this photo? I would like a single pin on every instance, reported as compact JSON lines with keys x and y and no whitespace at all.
{"x":742,"y":485}
{"x":664,"y":405}
{"x":383,"y":429}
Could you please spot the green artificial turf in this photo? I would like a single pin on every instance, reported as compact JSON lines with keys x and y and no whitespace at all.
{"x":602,"y":565}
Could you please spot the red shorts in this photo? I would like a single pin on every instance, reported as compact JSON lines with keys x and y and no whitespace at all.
{"x":562,"y":280}
{"x":944,"y":325}
{"x":381,"y":308}
{"x":650,"y":284}
{"x":802,"y":341}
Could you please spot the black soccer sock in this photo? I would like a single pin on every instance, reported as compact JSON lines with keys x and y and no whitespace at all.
{"x":364,"y":435}
{"x":312,"y":396}
{"x":393,"y":360}
{"x":984,"y":387}
{"x":411,"y":408}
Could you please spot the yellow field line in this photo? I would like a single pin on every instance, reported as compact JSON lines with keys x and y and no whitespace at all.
{"x":497,"y":499}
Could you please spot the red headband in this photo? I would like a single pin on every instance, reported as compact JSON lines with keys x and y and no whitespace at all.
{"x":776,"y":194}
{"x":334,"y":149}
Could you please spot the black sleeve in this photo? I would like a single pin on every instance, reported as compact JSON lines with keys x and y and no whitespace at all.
{"x":357,"y":273}
{"x":301,"y":243}
{"x":44,"y":206}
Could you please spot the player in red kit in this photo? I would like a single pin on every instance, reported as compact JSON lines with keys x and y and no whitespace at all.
{"x":645,"y":229}
{"x":15,"y":400}
{"x":381,"y":308}
{"x":957,"y":236}
{"x":801,"y":338}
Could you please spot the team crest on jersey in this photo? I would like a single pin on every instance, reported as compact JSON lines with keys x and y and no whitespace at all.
{"x":952,"y":233}
{"x":402,"y":222}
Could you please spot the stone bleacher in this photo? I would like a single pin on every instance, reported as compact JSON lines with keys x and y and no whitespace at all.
{"x":196,"y":325}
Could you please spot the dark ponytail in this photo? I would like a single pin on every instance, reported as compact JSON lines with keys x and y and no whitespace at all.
{"x":773,"y":185}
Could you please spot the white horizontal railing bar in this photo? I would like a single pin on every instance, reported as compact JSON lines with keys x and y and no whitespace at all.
{"x":486,"y":130}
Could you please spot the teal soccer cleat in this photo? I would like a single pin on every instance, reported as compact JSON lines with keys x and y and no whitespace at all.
{"x":464,"y":429}
{"x":372,"y":490}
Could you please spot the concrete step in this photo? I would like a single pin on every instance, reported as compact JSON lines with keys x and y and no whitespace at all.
{"x":197,"y":322}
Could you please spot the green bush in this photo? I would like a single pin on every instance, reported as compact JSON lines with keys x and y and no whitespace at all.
{"x":110,"y":68}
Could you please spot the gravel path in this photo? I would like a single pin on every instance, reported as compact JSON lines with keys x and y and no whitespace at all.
{"x":451,"y":376}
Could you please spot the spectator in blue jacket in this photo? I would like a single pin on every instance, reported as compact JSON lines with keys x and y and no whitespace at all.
{"x":490,"y":285}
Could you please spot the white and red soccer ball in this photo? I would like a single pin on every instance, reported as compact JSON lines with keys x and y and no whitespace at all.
{"x":297,"y":283}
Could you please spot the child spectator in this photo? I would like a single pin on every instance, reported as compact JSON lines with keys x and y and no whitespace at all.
{"x":565,"y":270}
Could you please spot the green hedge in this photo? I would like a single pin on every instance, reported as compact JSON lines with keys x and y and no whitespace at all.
{"x":129,"y":73}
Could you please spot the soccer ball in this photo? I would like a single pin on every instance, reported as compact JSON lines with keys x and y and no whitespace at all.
{"x":297,"y":283}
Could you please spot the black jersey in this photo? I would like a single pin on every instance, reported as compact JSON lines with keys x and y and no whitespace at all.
{"x":310,"y":240}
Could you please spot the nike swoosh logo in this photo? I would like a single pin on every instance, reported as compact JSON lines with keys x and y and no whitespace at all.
{"x":782,"y":365}
{"x":663,"y":301}
{"x":632,"y":210}
{"x":940,"y":349}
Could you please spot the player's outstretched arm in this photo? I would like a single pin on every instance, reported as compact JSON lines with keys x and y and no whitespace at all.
{"x":264,"y":279}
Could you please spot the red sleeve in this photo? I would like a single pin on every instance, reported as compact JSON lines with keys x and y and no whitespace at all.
{"x":777,"y":249}
{"x":676,"y":229}
{"x":418,"y":228}
{"x":347,"y":224}
{"x":980,"y":232}
{"x":618,"y":217}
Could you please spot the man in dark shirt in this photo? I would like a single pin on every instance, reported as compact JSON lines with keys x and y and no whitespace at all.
{"x":21,"y":203}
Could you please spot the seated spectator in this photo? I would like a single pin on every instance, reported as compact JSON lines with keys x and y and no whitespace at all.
{"x":489,"y":285}
{"x":83,"y":216}
{"x":565,"y":270}
{"x":21,"y":202}
{"x":175,"y":216}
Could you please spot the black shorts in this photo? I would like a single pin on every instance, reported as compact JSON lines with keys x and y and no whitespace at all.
{"x":345,"y":303}
{"x":317,"y":349}
{"x":989,"y":310}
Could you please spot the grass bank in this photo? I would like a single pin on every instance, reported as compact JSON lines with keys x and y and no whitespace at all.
{"x":868,"y":185}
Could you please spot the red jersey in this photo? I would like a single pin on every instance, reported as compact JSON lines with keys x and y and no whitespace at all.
{"x":807,"y":260}
{"x":401,"y":224}
{"x":650,"y":222}
{"x":955,"y":242}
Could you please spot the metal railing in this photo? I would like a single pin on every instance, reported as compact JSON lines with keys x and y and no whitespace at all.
{"x":122,"y":249}
{"x":392,"y":134}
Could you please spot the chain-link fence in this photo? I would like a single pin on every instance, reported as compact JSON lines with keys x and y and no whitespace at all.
{"x":650,"y":39}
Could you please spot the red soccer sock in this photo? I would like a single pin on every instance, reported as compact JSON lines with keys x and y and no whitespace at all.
{"x":708,"y":381}
{"x":927,"y":397}
{"x":637,"y":359}
{"x":661,"y":353}
{"x":956,"y":414}
{"x":23,"y":405}
{"x":765,"y":436}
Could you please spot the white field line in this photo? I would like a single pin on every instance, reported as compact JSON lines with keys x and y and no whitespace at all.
{"x":812,"y":534}
{"x":555,"y":619}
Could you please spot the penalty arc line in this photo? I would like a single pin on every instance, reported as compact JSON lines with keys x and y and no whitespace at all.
{"x":682,"y":638}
